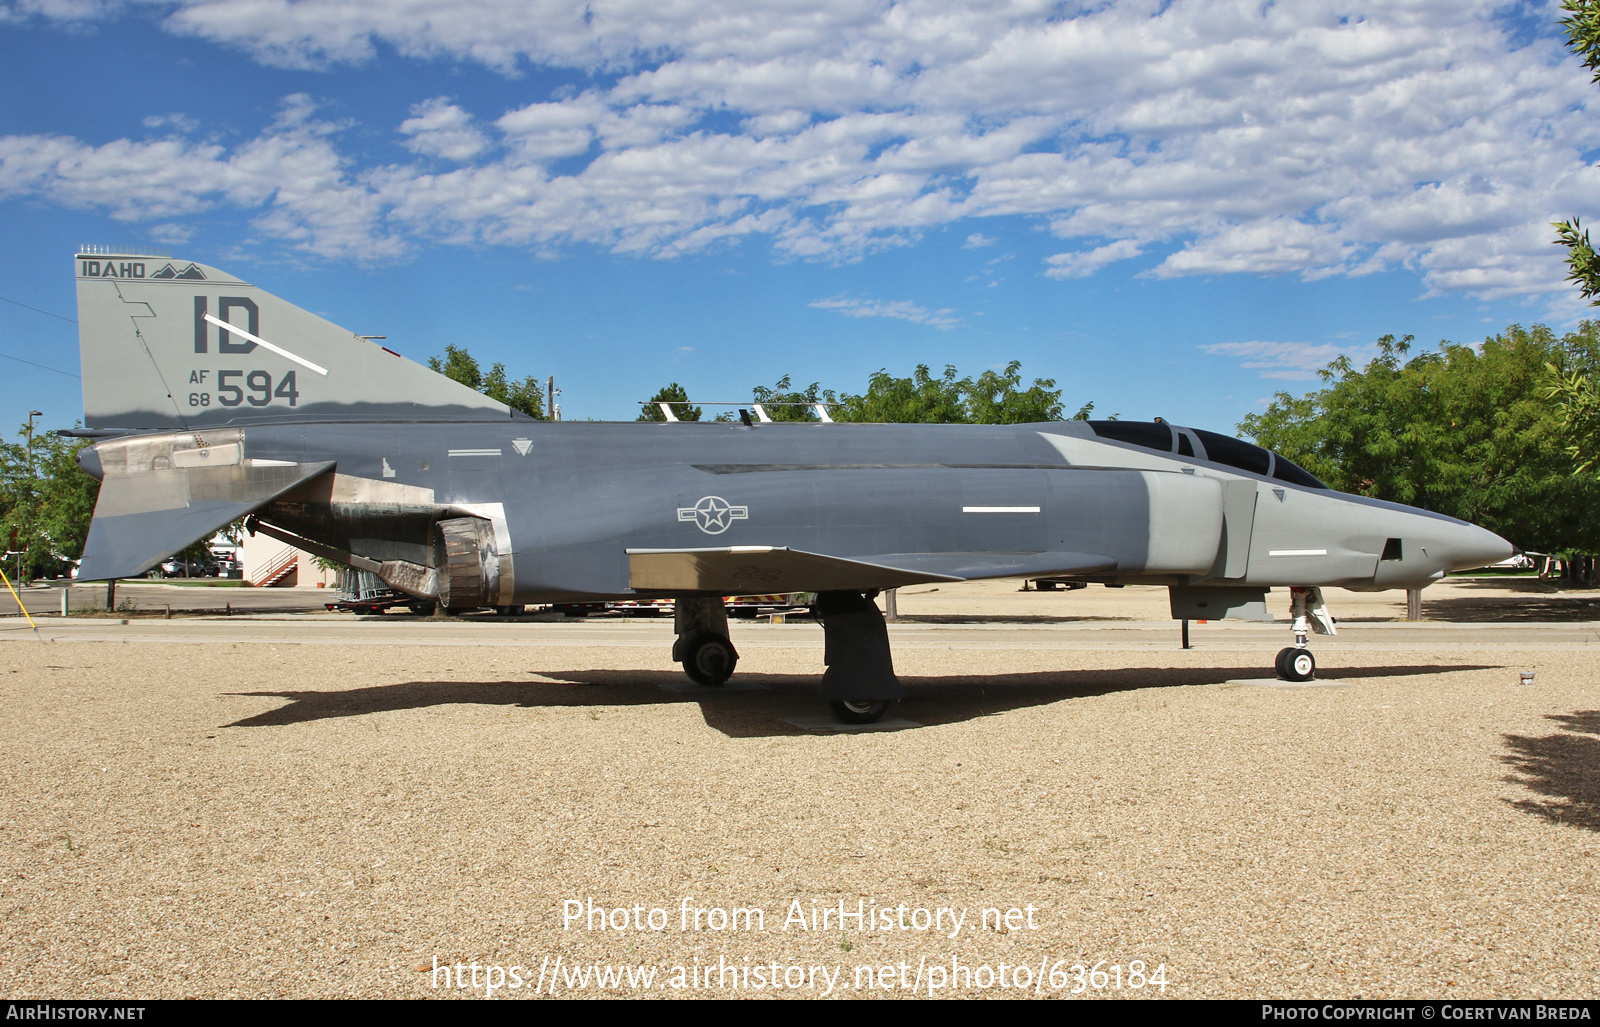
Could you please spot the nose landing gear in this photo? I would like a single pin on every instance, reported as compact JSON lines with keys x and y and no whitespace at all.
{"x":1311,"y":615}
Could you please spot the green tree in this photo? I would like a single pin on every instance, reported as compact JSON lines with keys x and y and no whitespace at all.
{"x":1583,"y":38}
{"x":46,"y":502}
{"x":998,"y":399}
{"x":459,"y":365}
{"x":1580,"y":414}
{"x":919,"y":399}
{"x":783,"y":402}
{"x":1458,"y":431}
{"x":678,"y":397}
{"x":992,"y":398}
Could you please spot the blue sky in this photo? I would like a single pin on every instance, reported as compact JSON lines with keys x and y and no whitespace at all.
{"x":1172,"y":209}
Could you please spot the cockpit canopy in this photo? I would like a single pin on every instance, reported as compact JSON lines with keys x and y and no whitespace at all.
{"x":1206,"y":445}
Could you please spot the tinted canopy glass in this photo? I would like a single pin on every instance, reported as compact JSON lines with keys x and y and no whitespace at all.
{"x":1235,"y":452}
{"x":1138,"y":433}
{"x":1294,"y":474}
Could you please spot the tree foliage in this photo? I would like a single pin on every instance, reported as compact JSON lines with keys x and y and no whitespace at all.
{"x":1580,"y":414}
{"x":678,"y":398}
{"x":1573,"y":389}
{"x":1583,"y":267}
{"x":45,"y":504}
{"x":783,"y":402}
{"x":991,"y":398}
{"x":459,"y":365}
{"x":994,"y":397}
{"x":1458,"y":431}
{"x":1583,"y":38}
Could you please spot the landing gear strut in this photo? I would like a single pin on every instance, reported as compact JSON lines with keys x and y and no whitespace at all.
{"x":1310,"y":615}
{"x":703,"y":647}
{"x":859,"y":683}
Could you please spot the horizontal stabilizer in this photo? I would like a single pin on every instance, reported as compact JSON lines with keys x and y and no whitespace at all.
{"x":155,"y":499}
{"x":742,"y":570}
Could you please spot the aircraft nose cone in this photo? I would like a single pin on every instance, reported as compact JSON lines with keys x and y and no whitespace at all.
{"x":1474,"y":547}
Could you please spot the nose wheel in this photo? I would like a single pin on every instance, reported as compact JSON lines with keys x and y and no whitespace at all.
{"x":1296,"y":664}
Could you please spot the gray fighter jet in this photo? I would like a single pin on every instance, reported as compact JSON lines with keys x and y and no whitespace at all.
{"x":211,"y":400}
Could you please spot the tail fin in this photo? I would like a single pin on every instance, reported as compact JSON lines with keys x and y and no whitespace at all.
{"x":177,"y":345}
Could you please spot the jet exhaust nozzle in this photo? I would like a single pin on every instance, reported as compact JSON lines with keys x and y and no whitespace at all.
{"x":467,"y":561}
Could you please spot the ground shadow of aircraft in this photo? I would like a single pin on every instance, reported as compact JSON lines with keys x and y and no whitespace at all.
{"x":761,"y":712}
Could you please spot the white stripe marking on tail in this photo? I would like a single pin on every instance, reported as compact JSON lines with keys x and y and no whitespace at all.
{"x":241,"y":333}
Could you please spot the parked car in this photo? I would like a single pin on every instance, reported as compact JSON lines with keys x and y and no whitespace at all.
{"x":179,"y":568}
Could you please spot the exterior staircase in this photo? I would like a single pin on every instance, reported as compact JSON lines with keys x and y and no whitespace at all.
{"x":279,"y":567}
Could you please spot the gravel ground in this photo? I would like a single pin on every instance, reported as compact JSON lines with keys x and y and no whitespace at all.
{"x":257,"y":818}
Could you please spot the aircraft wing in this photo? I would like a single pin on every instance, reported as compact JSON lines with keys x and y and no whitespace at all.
{"x":744,"y":569}
{"x":156,"y":498}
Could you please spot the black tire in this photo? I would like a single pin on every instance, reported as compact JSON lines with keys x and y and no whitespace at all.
{"x":1281,"y":664}
{"x":422,"y":609}
{"x":1297,"y":664}
{"x":710,"y":661}
{"x":511,"y":611}
{"x":570,"y":612}
{"x":858,"y":711}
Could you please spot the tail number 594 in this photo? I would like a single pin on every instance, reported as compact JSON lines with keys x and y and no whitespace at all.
{"x":257,"y":389}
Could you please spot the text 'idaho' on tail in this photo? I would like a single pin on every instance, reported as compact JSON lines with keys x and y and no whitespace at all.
{"x":172,"y":344}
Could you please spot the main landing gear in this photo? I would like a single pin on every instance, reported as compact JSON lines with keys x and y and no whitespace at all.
{"x":1310,"y":615}
{"x":703,"y":646}
{"x":859,"y":684}
{"x":859,"y":711}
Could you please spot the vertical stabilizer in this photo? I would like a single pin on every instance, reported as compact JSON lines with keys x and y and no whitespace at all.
{"x":173,"y":344}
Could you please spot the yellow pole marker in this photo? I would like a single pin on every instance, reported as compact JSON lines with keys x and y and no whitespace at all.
{"x":18,"y":598}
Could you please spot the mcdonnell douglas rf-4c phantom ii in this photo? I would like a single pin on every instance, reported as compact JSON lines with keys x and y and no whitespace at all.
{"x":211,"y":400}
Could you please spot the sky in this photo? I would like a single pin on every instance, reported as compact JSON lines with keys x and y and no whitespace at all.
{"x":1172,"y":209}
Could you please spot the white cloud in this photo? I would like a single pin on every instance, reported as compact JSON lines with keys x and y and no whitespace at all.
{"x":903,"y":310}
{"x":977,"y":241}
{"x":1080,"y":265}
{"x":439,"y":128}
{"x":291,"y":174}
{"x":1235,"y":137}
{"x":174,"y":235}
{"x":1289,"y":361}
{"x":178,"y":121}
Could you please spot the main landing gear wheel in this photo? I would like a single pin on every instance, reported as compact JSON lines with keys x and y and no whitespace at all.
{"x":859,"y":711}
{"x":710,"y":661}
{"x":1296,"y":664}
